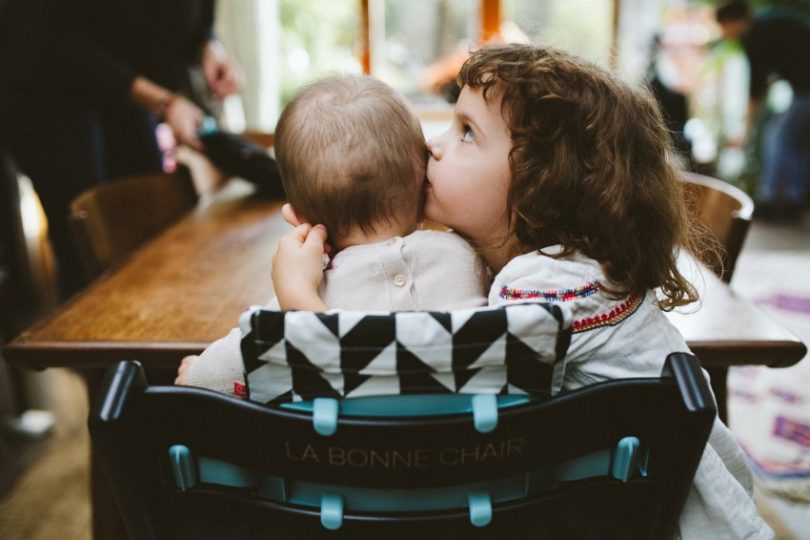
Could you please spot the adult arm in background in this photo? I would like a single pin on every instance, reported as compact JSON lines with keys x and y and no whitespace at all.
{"x":99,"y":73}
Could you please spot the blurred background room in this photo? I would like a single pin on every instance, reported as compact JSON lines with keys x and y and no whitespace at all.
{"x":677,"y":47}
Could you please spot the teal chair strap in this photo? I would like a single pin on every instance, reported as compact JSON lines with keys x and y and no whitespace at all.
{"x":331,"y":511}
{"x":480,"y":508}
{"x":619,"y":462}
{"x":182,"y":467}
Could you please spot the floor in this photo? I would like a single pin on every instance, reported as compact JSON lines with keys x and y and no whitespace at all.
{"x":778,"y":256}
{"x":50,"y":499}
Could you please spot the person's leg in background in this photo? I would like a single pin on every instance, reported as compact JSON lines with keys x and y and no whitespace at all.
{"x":783,"y":187}
{"x":58,"y":145}
{"x":67,"y":148}
{"x":798,"y":133}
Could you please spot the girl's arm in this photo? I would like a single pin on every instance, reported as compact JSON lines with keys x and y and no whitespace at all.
{"x":298,"y":268}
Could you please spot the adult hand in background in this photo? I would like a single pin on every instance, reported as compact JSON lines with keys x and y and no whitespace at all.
{"x":221,"y":72}
{"x":185,"y":119}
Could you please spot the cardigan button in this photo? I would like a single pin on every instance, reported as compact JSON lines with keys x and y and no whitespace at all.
{"x":399,"y":280}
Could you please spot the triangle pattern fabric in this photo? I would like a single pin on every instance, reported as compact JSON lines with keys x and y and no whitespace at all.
{"x":385,"y":363}
{"x":415,"y":376}
{"x":366,"y":339}
{"x":483,"y":380}
{"x":525,"y":371}
{"x":330,"y":321}
{"x":444,"y":319}
{"x":426,"y":338}
{"x":307,"y":379}
{"x":297,"y":355}
{"x":277,"y":351}
{"x":471,"y":339}
{"x":306,"y":333}
{"x":352,"y":383}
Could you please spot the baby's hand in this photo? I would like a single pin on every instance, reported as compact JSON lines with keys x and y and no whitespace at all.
{"x":298,"y":268}
{"x":182,"y":370}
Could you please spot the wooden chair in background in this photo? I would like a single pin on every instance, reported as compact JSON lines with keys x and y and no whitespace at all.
{"x":726,"y":212}
{"x":111,"y":220}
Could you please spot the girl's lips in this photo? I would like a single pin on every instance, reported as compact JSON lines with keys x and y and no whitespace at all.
{"x":428,"y":185}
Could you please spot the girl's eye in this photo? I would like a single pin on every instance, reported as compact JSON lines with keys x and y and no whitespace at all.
{"x":468,"y":136}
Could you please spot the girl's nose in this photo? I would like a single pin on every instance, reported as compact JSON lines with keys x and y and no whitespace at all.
{"x":434,"y":148}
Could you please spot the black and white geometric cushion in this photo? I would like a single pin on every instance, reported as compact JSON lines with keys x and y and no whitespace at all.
{"x":299,"y":355}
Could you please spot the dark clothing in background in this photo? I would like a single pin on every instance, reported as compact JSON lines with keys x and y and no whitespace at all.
{"x":66,"y":117}
{"x":675,"y":108}
{"x":778,"y":45}
{"x":93,"y":49}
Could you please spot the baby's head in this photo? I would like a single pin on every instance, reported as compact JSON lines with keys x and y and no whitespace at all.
{"x":352,"y":156}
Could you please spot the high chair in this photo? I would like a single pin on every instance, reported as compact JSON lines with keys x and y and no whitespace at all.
{"x":614,"y":460}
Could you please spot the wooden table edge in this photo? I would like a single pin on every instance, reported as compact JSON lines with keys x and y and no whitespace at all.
{"x":96,"y":354}
{"x":782,"y":353}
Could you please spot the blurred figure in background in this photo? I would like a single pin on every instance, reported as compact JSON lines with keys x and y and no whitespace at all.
{"x":674,"y":104}
{"x":776,"y":44}
{"x":84,"y":85}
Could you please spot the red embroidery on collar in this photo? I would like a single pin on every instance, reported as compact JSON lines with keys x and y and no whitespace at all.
{"x":612,"y":318}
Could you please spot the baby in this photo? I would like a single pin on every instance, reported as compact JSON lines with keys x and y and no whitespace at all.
{"x":352,"y":157}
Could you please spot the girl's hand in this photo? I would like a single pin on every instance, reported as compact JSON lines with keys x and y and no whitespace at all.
{"x":298,"y":268}
{"x":182,"y":370}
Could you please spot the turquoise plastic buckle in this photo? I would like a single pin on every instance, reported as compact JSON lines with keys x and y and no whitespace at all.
{"x":182,"y":467}
{"x":325,"y":416}
{"x":215,"y":471}
{"x":624,"y":458}
{"x":209,"y":125}
{"x":480,"y":508}
{"x":331,"y":511}
{"x":485,"y":412}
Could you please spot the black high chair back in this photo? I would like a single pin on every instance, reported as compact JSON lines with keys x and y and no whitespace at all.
{"x":614,"y":460}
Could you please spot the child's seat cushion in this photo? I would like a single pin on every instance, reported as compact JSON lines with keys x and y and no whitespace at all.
{"x":299,"y":355}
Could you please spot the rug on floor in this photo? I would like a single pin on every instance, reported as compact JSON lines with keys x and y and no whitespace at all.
{"x":769,"y":409}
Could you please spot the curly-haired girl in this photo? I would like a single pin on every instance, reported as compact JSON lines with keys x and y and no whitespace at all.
{"x":557,"y":173}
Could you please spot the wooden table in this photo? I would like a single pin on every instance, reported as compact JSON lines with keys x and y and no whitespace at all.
{"x":170,"y":298}
{"x":187,"y":287}
{"x":724,"y":329}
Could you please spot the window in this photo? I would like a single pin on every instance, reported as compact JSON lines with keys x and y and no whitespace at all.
{"x":317,"y":39}
{"x":563,"y":24}
{"x":414,"y":45}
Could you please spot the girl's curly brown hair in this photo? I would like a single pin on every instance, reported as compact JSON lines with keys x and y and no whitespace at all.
{"x":589,"y":167}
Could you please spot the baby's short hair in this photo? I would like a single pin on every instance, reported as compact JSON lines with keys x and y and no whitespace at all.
{"x":351,"y":153}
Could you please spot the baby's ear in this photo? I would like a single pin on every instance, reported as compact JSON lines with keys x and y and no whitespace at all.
{"x":291,"y":216}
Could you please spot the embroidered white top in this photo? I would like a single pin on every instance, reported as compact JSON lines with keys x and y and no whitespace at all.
{"x":630,"y":337}
{"x":425,"y":270}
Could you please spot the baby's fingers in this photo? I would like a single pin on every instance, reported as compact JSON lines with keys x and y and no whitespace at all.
{"x":316,"y":237}
{"x":299,"y":234}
